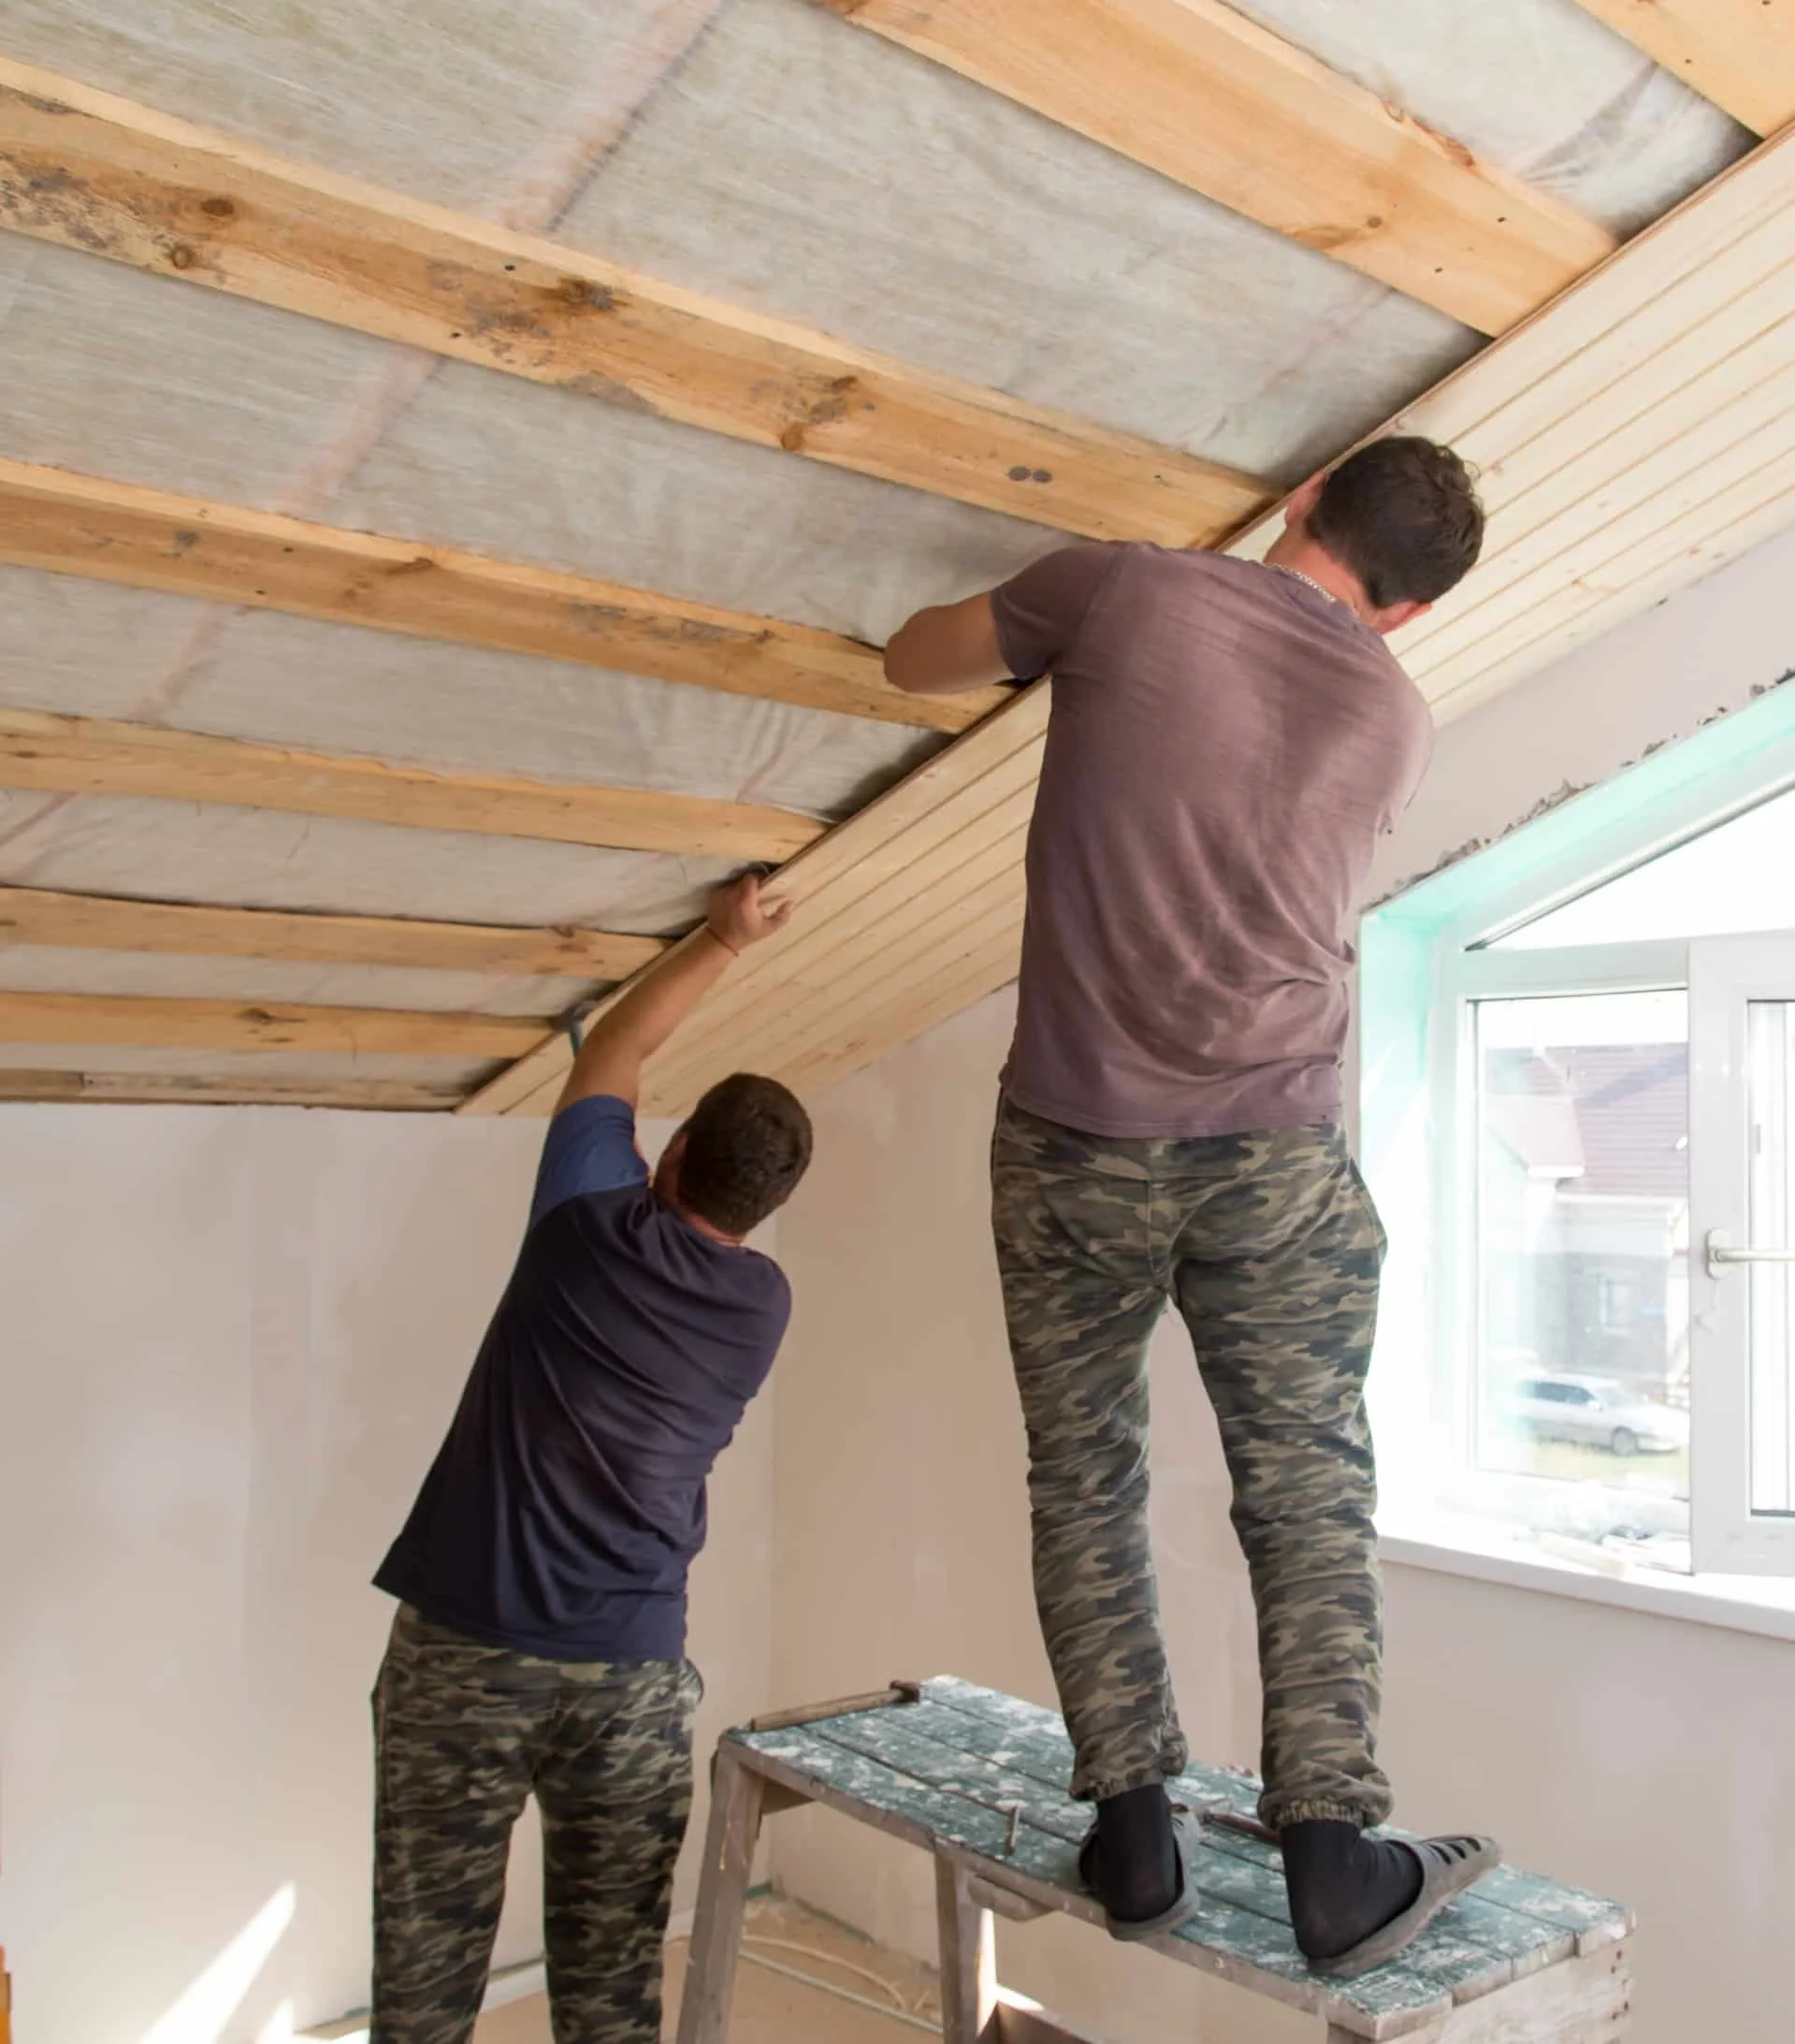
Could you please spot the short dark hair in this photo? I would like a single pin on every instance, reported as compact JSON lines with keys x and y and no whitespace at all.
{"x":1403,"y":515}
{"x":748,"y":1144}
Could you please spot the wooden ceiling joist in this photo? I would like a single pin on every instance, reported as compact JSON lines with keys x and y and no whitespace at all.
{"x":154,"y":540}
{"x":381,"y":1095}
{"x":92,"y":755}
{"x":90,"y":171}
{"x":1738,"y":53}
{"x":153,"y":1022}
{"x":1217,"y":103}
{"x":100,"y":922}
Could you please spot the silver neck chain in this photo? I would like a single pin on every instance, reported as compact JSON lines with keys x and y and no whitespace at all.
{"x":1279,"y":567}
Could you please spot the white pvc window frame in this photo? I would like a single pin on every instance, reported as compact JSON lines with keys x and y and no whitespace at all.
{"x":1726,"y":976}
{"x":1464,"y":976}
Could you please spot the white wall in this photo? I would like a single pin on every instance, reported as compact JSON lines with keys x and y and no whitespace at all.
{"x":233,"y":1340}
{"x":1647,"y":1757}
{"x":1708,"y":650}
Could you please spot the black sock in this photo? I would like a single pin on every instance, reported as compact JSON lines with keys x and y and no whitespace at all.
{"x":1344,"y":1885}
{"x":1136,"y":1855}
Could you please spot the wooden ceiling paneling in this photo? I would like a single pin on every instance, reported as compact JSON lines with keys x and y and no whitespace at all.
{"x":1637,"y":435}
{"x":1633,"y":435}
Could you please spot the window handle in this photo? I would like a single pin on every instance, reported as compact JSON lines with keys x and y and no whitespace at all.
{"x":1722,"y":1255}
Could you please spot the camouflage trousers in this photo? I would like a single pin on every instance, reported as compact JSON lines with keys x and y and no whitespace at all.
{"x":1270,"y":1247}
{"x":463,"y":1733}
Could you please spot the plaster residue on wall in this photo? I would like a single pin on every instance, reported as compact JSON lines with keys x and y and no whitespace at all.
{"x":1566,"y":791}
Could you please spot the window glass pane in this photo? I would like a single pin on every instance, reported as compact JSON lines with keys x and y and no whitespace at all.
{"x":1770,"y":1065}
{"x":1730,"y":882}
{"x":1582,"y":1256}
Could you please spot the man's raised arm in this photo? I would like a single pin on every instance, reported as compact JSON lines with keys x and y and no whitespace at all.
{"x":945,"y":648}
{"x":1013,"y":632}
{"x":622,"y":1039}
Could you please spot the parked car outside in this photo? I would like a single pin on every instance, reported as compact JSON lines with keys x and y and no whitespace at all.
{"x":1600,"y":1413}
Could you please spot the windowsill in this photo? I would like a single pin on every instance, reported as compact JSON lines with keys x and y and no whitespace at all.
{"x":1740,"y":1603}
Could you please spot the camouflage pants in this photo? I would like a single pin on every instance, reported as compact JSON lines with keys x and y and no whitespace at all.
{"x":1270,"y":1247}
{"x":463,"y":1733}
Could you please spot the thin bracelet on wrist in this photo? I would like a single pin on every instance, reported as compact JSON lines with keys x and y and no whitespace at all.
{"x":722,"y":940}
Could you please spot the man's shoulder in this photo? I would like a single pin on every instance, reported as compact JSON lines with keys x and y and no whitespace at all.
{"x":631,"y":1229}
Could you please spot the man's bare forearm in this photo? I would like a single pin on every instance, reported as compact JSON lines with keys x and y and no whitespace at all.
{"x":625,"y":1036}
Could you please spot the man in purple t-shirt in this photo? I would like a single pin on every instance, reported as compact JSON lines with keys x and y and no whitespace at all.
{"x":540,"y":1645}
{"x":1228,"y":740}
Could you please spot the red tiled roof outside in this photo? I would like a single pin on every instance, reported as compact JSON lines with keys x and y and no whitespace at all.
{"x":1631,"y":1108}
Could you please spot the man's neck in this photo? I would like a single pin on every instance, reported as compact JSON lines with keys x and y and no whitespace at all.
{"x":1300,"y":556}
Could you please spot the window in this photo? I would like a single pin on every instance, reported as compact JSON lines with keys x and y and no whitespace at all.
{"x":1578,"y":1112}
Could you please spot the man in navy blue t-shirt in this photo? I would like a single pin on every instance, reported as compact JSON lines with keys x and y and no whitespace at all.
{"x":540,"y":1641}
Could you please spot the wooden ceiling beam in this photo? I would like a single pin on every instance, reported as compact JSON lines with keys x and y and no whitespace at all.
{"x":92,"y":755}
{"x":108,"y":1088}
{"x":153,"y":1022}
{"x":1216,"y":103}
{"x":90,"y":171}
{"x":151,"y":539}
{"x":1738,"y":53}
{"x":100,"y":922}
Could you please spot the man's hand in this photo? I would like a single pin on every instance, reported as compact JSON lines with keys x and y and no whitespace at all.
{"x":738,"y":917}
{"x":628,"y":1033}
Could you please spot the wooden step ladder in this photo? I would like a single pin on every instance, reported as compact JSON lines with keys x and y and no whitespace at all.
{"x":976,"y":1779}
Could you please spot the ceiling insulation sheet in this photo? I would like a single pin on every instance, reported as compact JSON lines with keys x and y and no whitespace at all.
{"x":767,"y":154}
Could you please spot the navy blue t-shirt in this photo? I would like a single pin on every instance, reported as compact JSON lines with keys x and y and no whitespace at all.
{"x":566,"y":1504}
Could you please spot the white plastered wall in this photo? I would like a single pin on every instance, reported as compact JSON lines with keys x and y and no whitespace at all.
{"x":1645,"y":1757}
{"x":234,"y":1337}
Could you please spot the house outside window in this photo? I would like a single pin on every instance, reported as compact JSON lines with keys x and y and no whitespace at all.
{"x":1577,"y":1110}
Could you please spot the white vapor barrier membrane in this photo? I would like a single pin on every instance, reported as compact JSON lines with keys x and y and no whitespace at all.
{"x":464,"y":707}
{"x":263,"y":675}
{"x":263,"y":859}
{"x":450,"y":102}
{"x":521,"y":469}
{"x":964,"y":232}
{"x":88,"y":648}
{"x":150,"y":380}
{"x":768,"y":155}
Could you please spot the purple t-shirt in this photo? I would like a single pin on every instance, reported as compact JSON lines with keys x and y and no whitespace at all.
{"x":1225,"y":747}
{"x":566,"y":1506}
